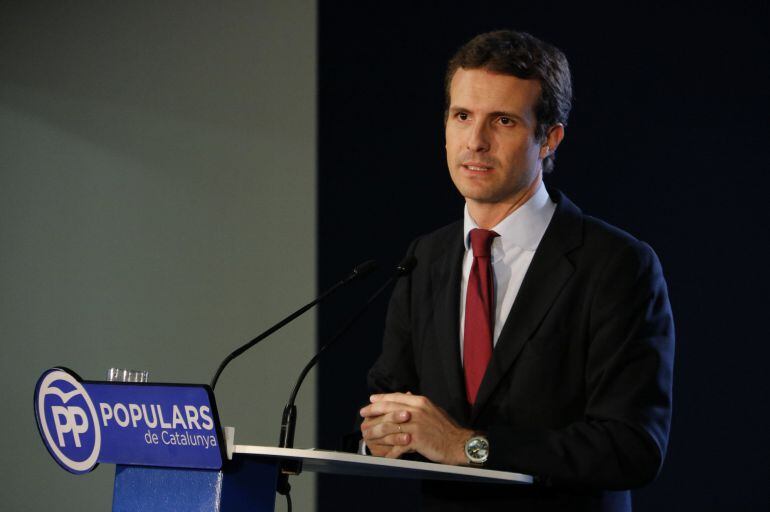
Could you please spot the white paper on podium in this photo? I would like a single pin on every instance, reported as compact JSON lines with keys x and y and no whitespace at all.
{"x":321,"y":461}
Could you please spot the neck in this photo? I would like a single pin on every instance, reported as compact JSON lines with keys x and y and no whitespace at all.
{"x":489,"y":215}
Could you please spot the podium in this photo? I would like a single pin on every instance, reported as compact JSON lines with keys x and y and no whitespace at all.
{"x":247,"y":481}
{"x":171,"y":453}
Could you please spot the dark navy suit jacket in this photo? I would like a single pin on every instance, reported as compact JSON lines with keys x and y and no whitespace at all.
{"x":578,"y":391}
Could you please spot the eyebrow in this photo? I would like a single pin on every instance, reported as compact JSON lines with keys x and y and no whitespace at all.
{"x":497,"y":113}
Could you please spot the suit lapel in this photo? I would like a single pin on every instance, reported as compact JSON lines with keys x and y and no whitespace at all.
{"x":445,"y":276}
{"x":547,"y":274}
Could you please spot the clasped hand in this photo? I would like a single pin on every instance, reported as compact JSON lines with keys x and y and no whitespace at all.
{"x":398,"y":423}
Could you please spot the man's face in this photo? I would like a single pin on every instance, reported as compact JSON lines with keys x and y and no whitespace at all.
{"x":491,"y":150}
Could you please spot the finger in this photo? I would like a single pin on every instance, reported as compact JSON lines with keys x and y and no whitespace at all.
{"x":402,"y":398}
{"x":378,"y":450}
{"x":367,"y":412}
{"x":382,"y":430}
{"x":372,"y":421}
{"x":397,"y":439}
{"x":392,"y":397}
{"x":395,"y":417}
{"x":387,"y":442}
{"x":401,"y":416}
{"x":397,"y":451}
{"x":380,"y":408}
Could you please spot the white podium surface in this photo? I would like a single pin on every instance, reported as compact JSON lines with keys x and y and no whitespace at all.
{"x":321,"y":461}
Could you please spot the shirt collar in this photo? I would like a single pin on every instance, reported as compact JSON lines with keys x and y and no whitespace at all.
{"x":523,"y":228}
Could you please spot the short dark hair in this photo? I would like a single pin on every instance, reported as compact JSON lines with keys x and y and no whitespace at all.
{"x":519,"y":54}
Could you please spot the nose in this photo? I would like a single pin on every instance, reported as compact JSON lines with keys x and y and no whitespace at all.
{"x":478,"y":139}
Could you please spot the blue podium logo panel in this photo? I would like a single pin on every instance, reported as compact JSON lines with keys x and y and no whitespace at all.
{"x":84,"y":423}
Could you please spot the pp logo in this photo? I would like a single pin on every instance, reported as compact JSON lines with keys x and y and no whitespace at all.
{"x":67,"y":420}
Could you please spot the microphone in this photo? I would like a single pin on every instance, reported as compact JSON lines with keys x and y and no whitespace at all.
{"x":358,"y":272}
{"x":289,"y":417}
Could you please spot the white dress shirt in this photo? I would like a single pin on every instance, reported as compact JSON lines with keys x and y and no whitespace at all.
{"x":512,"y":252}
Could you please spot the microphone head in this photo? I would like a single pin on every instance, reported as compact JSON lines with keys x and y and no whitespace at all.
{"x":362,"y":270}
{"x":406,"y":266}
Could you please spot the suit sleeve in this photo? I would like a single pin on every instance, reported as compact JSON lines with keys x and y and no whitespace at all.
{"x":395,"y":370}
{"x":621,"y":440}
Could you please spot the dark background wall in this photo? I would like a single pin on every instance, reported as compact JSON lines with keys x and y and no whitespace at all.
{"x":666,"y":140}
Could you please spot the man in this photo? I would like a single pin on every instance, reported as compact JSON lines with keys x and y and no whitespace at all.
{"x":529,"y":337}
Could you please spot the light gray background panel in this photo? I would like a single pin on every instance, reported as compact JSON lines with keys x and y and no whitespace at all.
{"x":157,"y":209}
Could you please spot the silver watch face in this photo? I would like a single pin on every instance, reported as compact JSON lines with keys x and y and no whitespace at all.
{"x":477,"y":449}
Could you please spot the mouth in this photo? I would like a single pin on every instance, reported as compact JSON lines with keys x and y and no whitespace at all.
{"x":476,"y":167}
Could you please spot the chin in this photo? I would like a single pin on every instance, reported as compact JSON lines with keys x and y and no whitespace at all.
{"x":483,"y":198}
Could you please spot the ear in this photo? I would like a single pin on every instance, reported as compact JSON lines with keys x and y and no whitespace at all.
{"x":552,"y":140}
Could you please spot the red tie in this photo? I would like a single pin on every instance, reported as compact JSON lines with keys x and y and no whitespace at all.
{"x":479,"y":313}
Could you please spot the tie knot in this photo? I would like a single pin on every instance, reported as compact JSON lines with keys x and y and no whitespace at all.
{"x":481,"y":242}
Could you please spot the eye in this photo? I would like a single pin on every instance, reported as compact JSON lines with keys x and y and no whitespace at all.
{"x":462,"y":116}
{"x":506,"y":121}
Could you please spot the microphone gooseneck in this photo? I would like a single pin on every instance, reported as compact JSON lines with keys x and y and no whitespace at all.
{"x":358,"y":272}
{"x":289,"y":417}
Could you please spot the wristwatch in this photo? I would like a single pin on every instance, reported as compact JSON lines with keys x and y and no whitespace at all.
{"x":477,"y":450}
